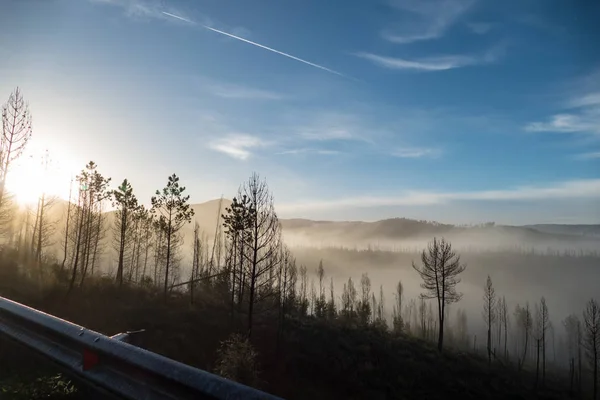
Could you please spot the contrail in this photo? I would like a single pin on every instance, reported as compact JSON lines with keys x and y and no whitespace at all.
{"x":178,"y":17}
{"x":259,"y":45}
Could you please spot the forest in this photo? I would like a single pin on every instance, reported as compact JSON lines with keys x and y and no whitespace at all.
{"x":291,"y":319}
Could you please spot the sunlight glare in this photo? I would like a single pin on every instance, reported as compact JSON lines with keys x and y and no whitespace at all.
{"x":28,"y":179}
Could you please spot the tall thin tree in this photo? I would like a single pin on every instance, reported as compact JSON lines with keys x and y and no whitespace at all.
{"x":440,"y":272}
{"x":264,"y":243}
{"x":126,"y":203}
{"x":489,"y":313}
{"x":174,"y":212}
{"x":591,"y":320}
{"x":16,"y":132}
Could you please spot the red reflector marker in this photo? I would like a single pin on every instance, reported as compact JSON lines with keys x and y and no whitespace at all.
{"x":89,"y":359}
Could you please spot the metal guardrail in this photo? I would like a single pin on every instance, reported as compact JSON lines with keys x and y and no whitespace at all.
{"x":112,"y":365}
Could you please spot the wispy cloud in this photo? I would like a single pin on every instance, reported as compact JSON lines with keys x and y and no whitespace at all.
{"x":256,"y":44}
{"x":330,"y":126}
{"x":143,"y":9}
{"x":592,"y":155}
{"x":425,"y":19}
{"x":586,"y":100}
{"x":439,"y":63}
{"x":416,"y":152}
{"x":562,"y":123}
{"x":574,"y":189}
{"x":310,"y":151}
{"x":237,"y":145}
{"x":327,"y":133}
{"x":229,"y":91}
{"x":583,"y":117}
{"x":480,"y":28}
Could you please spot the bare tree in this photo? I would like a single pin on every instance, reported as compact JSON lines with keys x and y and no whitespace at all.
{"x":16,"y":132}
{"x":591,"y":320}
{"x":196,"y":261}
{"x":173,"y":213}
{"x":524,"y":322}
{"x":574,"y":331}
{"x":67,"y":222}
{"x":303,"y":291}
{"x":537,"y":335}
{"x":264,"y":243}
{"x":321,"y":303}
{"x":544,"y":322}
{"x":381,"y":308}
{"x":148,"y":235}
{"x":489,"y":313}
{"x":397,"y":321}
{"x":287,"y":286}
{"x":45,"y":229}
{"x":349,"y":300}
{"x":331,"y":309}
{"x":440,"y":273}
{"x":364,"y":307}
{"x":504,"y":320}
{"x":423,"y":317}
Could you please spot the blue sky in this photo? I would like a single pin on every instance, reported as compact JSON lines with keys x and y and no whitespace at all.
{"x":454,"y":110}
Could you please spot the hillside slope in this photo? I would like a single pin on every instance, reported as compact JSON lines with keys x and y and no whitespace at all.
{"x":389,"y":233}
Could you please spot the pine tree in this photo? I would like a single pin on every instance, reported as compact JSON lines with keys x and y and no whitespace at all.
{"x":173,"y":211}
{"x":126,"y":204}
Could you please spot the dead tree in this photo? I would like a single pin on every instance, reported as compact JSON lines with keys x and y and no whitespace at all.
{"x":440,"y":273}
{"x":16,"y":132}
{"x":545,"y":321}
{"x":264,"y":240}
{"x":591,"y":320}
{"x":68,"y":220}
{"x":574,"y":331}
{"x":525,"y":322}
{"x":489,"y":313}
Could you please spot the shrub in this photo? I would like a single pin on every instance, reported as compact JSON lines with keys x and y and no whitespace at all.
{"x":236,"y":360}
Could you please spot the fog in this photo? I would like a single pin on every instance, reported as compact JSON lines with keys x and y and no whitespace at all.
{"x":566,"y":281}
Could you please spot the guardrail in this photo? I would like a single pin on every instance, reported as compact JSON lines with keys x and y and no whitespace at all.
{"x":112,"y":365}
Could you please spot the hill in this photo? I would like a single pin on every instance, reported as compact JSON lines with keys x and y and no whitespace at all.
{"x":576,"y":230}
{"x":393,"y":233}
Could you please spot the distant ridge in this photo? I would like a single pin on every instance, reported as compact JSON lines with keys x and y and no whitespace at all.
{"x":390,"y":232}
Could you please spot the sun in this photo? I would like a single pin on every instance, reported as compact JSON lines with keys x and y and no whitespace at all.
{"x":28,"y":178}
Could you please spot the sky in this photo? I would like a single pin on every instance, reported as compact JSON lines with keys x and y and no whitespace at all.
{"x":459,"y":111}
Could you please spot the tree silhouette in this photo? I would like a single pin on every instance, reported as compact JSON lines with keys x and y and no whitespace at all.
{"x":440,"y":273}
{"x":525,"y":322}
{"x":544,"y":325}
{"x":67,"y":222}
{"x":264,"y":241}
{"x":489,"y":313}
{"x":591,"y":320}
{"x":397,"y":321}
{"x":93,"y":190}
{"x":503,"y":322}
{"x":237,"y":221}
{"x":126,"y":203}
{"x":574,"y":331}
{"x":173,"y":212}
{"x":16,"y":132}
